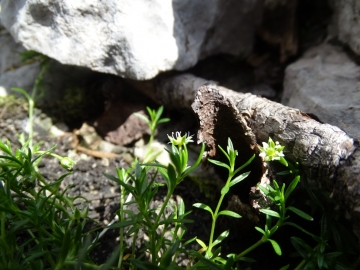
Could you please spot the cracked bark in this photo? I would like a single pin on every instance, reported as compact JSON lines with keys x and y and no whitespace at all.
{"x":327,"y":155}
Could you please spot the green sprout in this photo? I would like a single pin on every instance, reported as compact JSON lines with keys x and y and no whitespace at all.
{"x":153,"y":122}
{"x":231,"y":155}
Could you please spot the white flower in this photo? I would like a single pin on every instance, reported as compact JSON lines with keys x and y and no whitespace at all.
{"x":180,"y":140}
{"x":271,"y":151}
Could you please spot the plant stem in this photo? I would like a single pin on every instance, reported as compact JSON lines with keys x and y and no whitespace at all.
{"x":31,"y":121}
{"x":156,"y":224}
{"x":121,"y":218}
{"x":246,"y":251}
{"x":215,"y":215}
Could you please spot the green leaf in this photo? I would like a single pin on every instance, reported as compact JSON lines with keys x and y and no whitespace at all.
{"x":163,"y":120}
{"x":247,"y":259}
{"x":64,"y":250}
{"x":129,"y":188}
{"x":239,"y":178}
{"x":260,"y":230}
{"x":285,"y":267}
{"x":323,"y":225}
{"x":283,"y":161}
{"x":142,"y":117}
{"x":189,"y":170}
{"x":300,"y":213}
{"x":304,"y":249}
{"x":203,"y":206}
{"x":320,"y":260}
{"x":270,"y":213}
{"x":189,"y":241}
{"x":245,"y":164}
{"x":158,"y":114}
{"x":318,"y":239}
{"x":226,"y":154}
{"x":181,"y":208}
{"x":276,"y":247}
{"x":167,"y":256}
{"x":292,"y":186}
{"x":265,"y":190}
{"x":284,"y":173}
{"x":221,"y":237}
{"x":229,"y":213}
{"x":206,"y":263}
{"x":219,"y":163}
{"x":172,"y":177}
{"x":201,"y":243}
{"x":177,"y":220}
{"x":21,"y":91}
{"x":224,"y":190}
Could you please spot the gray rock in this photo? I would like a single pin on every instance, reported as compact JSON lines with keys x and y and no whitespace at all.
{"x":135,"y":39}
{"x":326,"y":82}
{"x":14,"y":73}
{"x":346,"y":22}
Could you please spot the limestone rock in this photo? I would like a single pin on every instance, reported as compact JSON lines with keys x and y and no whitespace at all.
{"x":135,"y":39}
{"x":14,"y":73}
{"x":346,"y":22}
{"x":326,"y":82}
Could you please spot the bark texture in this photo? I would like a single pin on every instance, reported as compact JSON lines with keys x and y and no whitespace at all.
{"x":327,"y":155}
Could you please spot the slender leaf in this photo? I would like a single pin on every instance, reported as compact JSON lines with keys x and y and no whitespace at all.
{"x":229,"y":213}
{"x":276,"y":247}
{"x":172,"y":177}
{"x":209,"y":265}
{"x":304,"y":249}
{"x":163,"y":120}
{"x":177,"y":220}
{"x":219,"y":163}
{"x":221,"y":237}
{"x":189,"y":241}
{"x":292,"y":186}
{"x":189,"y":170}
{"x":283,"y":161}
{"x":239,"y":178}
{"x":167,"y":256}
{"x":318,"y":239}
{"x":129,"y":188}
{"x":203,"y":206}
{"x":320,"y":260}
{"x":158,"y":113}
{"x":143,"y":117}
{"x":270,"y":213}
{"x":300,"y":213}
{"x":222,"y":150}
{"x":244,"y":165}
{"x":260,"y":230}
{"x":201,"y":243}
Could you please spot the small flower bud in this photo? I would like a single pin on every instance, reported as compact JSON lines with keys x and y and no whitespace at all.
{"x":67,"y":163}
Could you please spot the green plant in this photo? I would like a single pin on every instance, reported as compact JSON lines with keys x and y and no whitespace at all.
{"x":39,"y":226}
{"x":230,"y":154}
{"x":153,"y":122}
{"x":149,"y":219}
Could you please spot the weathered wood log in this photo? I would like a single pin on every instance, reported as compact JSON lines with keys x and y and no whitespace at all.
{"x":327,"y":155}
{"x":322,"y":150}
